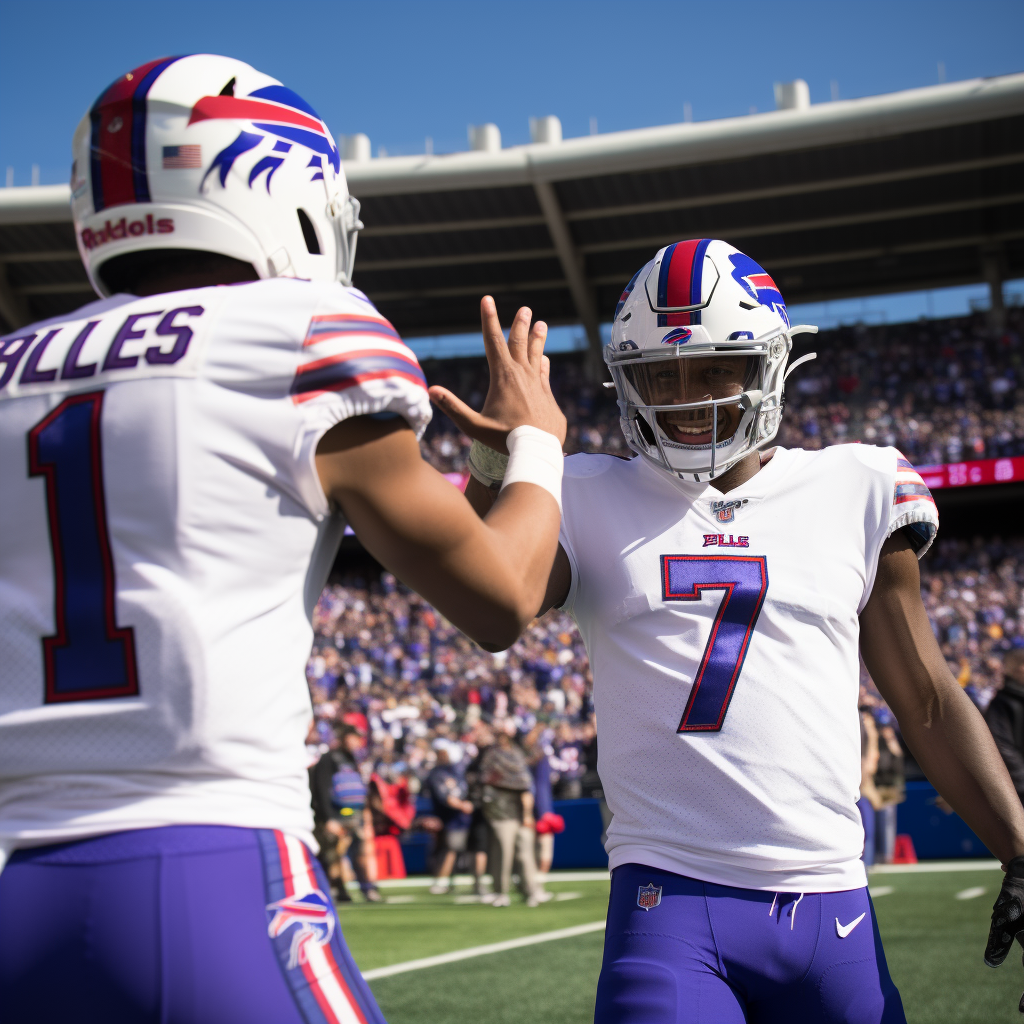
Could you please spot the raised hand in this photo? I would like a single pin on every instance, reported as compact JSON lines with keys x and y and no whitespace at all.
{"x":519,"y":391}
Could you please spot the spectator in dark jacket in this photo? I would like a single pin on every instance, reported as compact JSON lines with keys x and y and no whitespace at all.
{"x":1005,"y":717}
{"x":339,"y":801}
{"x":447,"y":789}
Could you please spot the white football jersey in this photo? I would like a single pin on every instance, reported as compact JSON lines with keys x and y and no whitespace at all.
{"x":163,"y":540}
{"x":723,"y":636}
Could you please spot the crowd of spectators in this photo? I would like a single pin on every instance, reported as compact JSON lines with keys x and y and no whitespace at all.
{"x":423,"y":696}
{"x":939,"y":390}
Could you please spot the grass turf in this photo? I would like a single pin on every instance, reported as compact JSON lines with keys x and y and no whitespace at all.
{"x":933,"y":942}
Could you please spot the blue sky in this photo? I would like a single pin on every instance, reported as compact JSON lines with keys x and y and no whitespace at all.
{"x":403,"y":71}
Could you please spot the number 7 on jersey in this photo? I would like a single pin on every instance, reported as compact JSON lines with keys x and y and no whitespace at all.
{"x":743,"y":579}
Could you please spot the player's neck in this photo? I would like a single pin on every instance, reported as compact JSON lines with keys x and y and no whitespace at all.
{"x":739,"y":474}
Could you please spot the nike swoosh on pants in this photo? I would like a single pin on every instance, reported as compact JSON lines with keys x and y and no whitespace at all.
{"x":842,"y":930}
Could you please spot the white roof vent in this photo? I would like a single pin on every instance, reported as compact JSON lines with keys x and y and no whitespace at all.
{"x":355,"y":147}
{"x":545,"y":129}
{"x":792,"y":95}
{"x":485,"y":138}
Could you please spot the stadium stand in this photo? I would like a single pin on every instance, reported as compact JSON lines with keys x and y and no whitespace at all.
{"x":938,"y":390}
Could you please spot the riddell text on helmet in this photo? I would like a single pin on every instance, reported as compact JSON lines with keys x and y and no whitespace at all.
{"x":126,"y":229}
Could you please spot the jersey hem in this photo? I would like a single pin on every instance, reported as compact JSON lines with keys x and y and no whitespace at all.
{"x":831,"y":879}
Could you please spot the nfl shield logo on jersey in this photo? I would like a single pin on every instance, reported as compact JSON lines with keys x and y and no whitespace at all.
{"x":648,"y":896}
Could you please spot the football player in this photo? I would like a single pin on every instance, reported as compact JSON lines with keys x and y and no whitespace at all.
{"x":724,"y":590}
{"x":179,"y":460}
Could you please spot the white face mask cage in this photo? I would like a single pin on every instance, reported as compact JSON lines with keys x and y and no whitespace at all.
{"x":760,"y":406}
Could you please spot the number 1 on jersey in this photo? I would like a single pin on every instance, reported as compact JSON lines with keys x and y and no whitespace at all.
{"x":89,"y":656}
{"x":744,"y":582}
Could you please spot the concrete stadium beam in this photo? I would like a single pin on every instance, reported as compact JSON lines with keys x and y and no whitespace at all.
{"x":802,"y":188}
{"x":572,"y":266}
{"x":788,"y":227}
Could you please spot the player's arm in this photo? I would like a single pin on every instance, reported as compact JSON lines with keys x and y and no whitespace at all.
{"x":943,"y":729}
{"x":488,"y":576}
{"x":481,"y":498}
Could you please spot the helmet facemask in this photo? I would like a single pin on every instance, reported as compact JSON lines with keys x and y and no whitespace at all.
{"x":696,"y":412}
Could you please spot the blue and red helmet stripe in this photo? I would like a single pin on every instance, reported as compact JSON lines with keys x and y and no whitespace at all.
{"x":680,"y":280}
{"x":118,"y":141}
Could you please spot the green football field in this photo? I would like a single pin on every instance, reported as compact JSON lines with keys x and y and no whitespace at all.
{"x":933,"y":923}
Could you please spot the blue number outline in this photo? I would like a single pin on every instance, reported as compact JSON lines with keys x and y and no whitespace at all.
{"x":695,"y":594}
{"x":54,"y":692}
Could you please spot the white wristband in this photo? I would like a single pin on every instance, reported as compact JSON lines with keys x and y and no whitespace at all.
{"x":535,"y":457}
{"x":487,"y":465}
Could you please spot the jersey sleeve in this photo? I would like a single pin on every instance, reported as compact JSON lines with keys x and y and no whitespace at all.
{"x":913,"y":507}
{"x":353,"y":363}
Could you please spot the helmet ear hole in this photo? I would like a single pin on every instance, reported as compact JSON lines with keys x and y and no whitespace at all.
{"x":308,"y":232}
{"x":229,"y":89}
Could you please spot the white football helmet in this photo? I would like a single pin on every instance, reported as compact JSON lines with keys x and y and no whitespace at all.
{"x":699,"y":347}
{"x":205,"y":152}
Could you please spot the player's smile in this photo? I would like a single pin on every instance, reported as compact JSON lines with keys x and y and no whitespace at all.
{"x":697,"y":379}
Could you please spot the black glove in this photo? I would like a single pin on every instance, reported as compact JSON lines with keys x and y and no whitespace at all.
{"x":1007,"y":917}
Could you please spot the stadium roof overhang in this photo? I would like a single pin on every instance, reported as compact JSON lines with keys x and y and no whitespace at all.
{"x":916,"y":189}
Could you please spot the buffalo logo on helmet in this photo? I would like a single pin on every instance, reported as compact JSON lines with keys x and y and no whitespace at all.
{"x":678,"y":336}
{"x":649,"y":896}
{"x":758,"y":284}
{"x":275,"y":111}
{"x":312,"y":918}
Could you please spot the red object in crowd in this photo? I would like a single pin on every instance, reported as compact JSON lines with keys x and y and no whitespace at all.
{"x":550,"y":822}
{"x":390,"y":862}
{"x":396,"y":801}
{"x":904,"y":852}
{"x":358,"y":720}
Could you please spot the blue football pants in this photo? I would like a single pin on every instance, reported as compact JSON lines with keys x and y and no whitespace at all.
{"x":714,"y":954}
{"x":178,"y":925}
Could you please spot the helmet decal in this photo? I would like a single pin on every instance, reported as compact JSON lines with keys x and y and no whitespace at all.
{"x":117,"y":150}
{"x":277,"y":111}
{"x":226,"y":158}
{"x":680,"y":336}
{"x":758,"y":284}
{"x":626,"y":293}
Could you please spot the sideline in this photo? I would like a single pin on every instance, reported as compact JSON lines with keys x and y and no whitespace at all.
{"x":493,"y":947}
{"x":423,"y":881}
{"x":933,"y":865}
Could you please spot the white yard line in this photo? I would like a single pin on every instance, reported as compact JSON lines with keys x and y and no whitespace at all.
{"x":880,"y":890}
{"x":971,"y":894}
{"x":493,"y":947}
{"x":934,"y":865}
